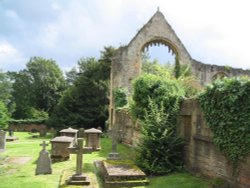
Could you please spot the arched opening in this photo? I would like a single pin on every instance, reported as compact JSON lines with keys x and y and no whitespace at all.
{"x":159,"y":52}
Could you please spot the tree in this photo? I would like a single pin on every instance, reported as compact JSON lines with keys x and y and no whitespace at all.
{"x":6,"y":90}
{"x":39,"y":86}
{"x":4,"y":116}
{"x":85,"y":103}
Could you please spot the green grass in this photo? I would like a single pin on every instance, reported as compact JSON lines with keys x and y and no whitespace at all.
{"x":23,"y":175}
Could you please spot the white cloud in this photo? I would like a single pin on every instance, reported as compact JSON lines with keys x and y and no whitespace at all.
{"x":10,"y":57}
{"x":213,"y":31}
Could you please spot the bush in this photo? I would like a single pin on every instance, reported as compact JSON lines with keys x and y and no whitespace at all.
{"x":4,"y":116}
{"x":156,"y":104}
{"x":160,"y":150}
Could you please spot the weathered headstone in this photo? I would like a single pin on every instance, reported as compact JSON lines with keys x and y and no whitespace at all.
{"x":59,"y":148}
{"x":43,"y":165}
{"x":70,"y":133}
{"x":2,"y":140}
{"x":78,"y":178}
{"x":93,"y":138}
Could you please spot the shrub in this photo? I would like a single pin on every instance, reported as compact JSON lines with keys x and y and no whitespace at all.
{"x":160,"y":150}
{"x":4,"y":117}
{"x":156,"y":104}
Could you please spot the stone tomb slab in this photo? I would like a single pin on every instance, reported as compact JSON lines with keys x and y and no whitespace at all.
{"x":121,"y":174}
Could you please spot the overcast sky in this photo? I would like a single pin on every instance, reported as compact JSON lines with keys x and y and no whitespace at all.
{"x":213,"y":31}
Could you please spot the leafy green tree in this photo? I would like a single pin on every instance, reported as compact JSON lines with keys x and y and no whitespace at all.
{"x":71,"y":76}
{"x":39,"y":86}
{"x":85,"y":103}
{"x":6,"y":91}
{"x":4,"y":116}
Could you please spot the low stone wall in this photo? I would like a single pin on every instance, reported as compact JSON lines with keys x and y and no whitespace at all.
{"x":41,"y":128}
{"x":200,"y":155}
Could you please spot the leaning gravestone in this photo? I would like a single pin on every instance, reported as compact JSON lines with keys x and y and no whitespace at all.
{"x":44,"y":161}
{"x":2,"y":140}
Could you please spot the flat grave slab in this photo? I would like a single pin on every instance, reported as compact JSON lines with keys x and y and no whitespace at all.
{"x":120,"y":173}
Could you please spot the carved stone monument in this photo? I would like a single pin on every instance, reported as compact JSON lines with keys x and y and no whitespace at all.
{"x":70,"y":133}
{"x":44,"y":162}
{"x":59,"y":148}
{"x":2,"y":140}
{"x":93,"y":138}
{"x":78,"y":178}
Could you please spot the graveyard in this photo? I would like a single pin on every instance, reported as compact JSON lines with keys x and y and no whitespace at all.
{"x":125,"y":120}
{"x":18,"y":166}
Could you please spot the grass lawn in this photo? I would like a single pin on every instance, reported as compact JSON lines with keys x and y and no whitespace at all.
{"x":14,"y":174}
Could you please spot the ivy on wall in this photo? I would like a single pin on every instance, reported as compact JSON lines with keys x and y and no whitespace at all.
{"x":120,"y":97}
{"x":226,"y":105}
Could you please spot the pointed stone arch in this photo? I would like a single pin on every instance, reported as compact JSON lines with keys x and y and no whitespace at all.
{"x":126,"y":63}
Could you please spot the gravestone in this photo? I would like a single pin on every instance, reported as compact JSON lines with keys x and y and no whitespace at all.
{"x":43,"y":165}
{"x":78,"y":178}
{"x":93,"y":138}
{"x":59,"y":148}
{"x":2,"y":140}
{"x":70,"y":133}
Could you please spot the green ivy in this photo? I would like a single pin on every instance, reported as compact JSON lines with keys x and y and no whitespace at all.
{"x":226,"y":105}
{"x":120,"y":97}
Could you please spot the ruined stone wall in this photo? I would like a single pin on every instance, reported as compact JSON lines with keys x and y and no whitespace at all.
{"x":206,"y":73}
{"x":201,"y":156}
{"x":130,"y":129}
{"x":41,"y":128}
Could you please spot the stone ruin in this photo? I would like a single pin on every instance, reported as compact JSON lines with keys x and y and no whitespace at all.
{"x":126,"y":63}
{"x":201,"y":156}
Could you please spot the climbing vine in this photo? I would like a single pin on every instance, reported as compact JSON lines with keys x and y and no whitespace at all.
{"x":120,"y":97}
{"x":226,"y":105}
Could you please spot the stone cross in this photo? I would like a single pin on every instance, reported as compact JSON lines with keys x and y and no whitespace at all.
{"x":81,"y":133}
{"x":115,"y":135}
{"x":79,"y":150}
{"x":44,"y":145}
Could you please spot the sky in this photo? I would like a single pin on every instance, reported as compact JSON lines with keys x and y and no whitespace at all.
{"x":213,"y":31}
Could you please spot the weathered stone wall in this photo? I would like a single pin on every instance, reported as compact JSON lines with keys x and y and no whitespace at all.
{"x":41,"y":128}
{"x":130,"y":129}
{"x":201,"y":155}
{"x":206,"y":73}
